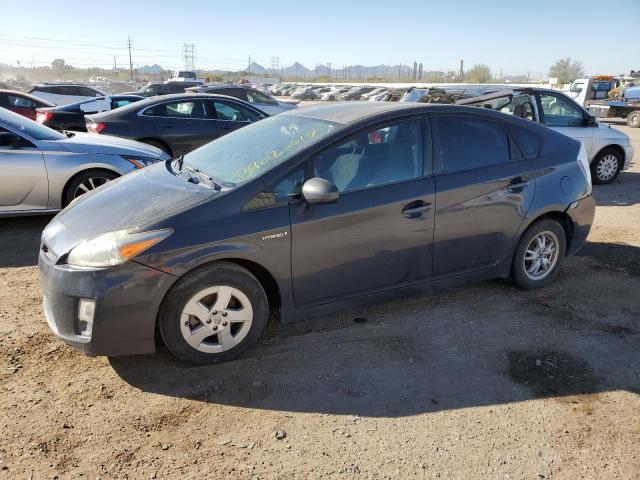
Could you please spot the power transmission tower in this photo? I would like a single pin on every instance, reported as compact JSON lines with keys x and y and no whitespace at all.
{"x":275,"y":63}
{"x":130,"y":61}
{"x":189,"y":55}
{"x":249,"y":65}
{"x":420,"y":71}
{"x":330,"y":73}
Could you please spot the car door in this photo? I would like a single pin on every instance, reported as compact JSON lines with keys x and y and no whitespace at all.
{"x":183,"y":124}
{"x":23,"y":182}
{"x":379,"y":233}
{"x":563,"y":115}
{"x":483,"y":192}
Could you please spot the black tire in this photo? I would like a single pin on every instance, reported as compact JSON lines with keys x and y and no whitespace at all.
{"x":518,"y":272}
{"x":85,"y":179}
{"x":220,"y":273}
{"x":605,"y":155}
{"x":158,"y":144}
{"x":633,"y":119}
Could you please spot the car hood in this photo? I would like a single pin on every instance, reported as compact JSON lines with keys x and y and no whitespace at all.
{"x":287,"y":105}
{"x":104,"y":144}
{"x":288,"y":101}
{"x":128,"y":202}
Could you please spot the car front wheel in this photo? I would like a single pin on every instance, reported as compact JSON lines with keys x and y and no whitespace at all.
{"x":539,"y":255}
{"x":85,"y":182}
{"x":606,"y":167}
{"x":214,"y":314}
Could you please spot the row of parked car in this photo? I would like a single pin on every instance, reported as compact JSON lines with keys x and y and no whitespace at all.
{"x":175,"y":124}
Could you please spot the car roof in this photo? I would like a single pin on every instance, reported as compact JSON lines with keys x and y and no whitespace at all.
{"x":353,"y":112}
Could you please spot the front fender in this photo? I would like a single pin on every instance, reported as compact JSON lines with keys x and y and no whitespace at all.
{"x":62,"y":166}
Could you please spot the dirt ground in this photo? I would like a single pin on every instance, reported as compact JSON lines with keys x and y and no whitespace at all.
{"x":483,"y":381}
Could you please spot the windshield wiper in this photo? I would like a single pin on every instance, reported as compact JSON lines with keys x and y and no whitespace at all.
{"x":179,"y":161}
{"x":204,"y":177}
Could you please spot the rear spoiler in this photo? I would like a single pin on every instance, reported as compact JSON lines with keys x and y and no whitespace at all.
{"x":486,"y":97}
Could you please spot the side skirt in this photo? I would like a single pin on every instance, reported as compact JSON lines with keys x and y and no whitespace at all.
{"x":290,"y":313}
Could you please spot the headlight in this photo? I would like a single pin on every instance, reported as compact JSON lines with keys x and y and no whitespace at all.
{"x":114,"y":248}
{"x":141,"y":162}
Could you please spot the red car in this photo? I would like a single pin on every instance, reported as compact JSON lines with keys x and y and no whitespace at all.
{"x":22,"y":103}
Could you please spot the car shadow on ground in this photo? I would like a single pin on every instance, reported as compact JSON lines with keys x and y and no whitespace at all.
{"x":478,"y":345}
{"x":624,"y":191}
{"x":20,"y":240}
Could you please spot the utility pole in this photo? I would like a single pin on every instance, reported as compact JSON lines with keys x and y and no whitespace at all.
{"x":130,"y":61}
{"x":249,"y":65}
{"x":115,"y":67}
{"x":461,"y":73}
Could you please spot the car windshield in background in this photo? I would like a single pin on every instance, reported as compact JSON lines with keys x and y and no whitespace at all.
{"x":29,"y":127}
{"x":257,"y":148}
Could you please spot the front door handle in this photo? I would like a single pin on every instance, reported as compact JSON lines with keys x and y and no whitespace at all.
{"x":416,"y":209}
{"x":517,"y":185}
{"x":166,"y":126}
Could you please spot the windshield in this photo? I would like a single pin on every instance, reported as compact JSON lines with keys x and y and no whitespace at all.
{"x":576,"y":87}
{"x":29,"y":127}
{"x":255,"y":149}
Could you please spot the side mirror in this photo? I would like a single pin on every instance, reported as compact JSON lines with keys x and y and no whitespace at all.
{"x":319,"y":190}
{"x":591,"y":121}
{"x":10,"y":139}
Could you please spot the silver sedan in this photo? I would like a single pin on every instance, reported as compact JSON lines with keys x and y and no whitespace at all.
{"x":43,"y":170}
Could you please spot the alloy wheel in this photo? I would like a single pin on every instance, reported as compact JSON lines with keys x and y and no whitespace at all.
{"x":607,"y":167}
{"x":89,"y":184}
{"x":216,"y":319}
{"x":541,"y":255}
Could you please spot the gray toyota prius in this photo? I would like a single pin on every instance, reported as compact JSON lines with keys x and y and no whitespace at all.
{"x":305,"y":212}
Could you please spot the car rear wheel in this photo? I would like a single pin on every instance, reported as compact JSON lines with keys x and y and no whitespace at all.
{"x":214,"y":314}
{"x":539,"y":255}
{"x":85,"y":182}
{"x":606,"y":167}
{"x":633,"y":119}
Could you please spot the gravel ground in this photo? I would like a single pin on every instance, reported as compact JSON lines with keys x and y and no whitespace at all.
{"x":482,"y":381}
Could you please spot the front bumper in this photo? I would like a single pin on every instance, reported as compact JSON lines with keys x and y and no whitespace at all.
{"x":127,"y":299}
{"x":581,"y":213}
{"x":628,"y":156}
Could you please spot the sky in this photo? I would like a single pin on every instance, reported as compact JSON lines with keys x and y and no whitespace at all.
{"x":515,"y":37}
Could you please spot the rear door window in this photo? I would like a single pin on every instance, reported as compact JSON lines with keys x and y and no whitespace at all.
{"x":192,"y":109}
{"x":254,"y":96}
{"x":466,"y":143}
{"x":21,"y":102}
{"x":234,"y":112}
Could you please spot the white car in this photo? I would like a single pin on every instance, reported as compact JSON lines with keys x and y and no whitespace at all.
{"x":372,"y":93}
{"x":331,"y":95}
{"x":609,"y":150}
{"x":65,"y":93}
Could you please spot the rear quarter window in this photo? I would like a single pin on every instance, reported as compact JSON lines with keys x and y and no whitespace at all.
{"x":530,"y":143}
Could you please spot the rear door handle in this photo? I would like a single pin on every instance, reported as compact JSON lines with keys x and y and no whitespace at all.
{"x":226,"y":127}
{"x":517,"y":185}
{"x":415,"y":209}
{"x":166,"y":126}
